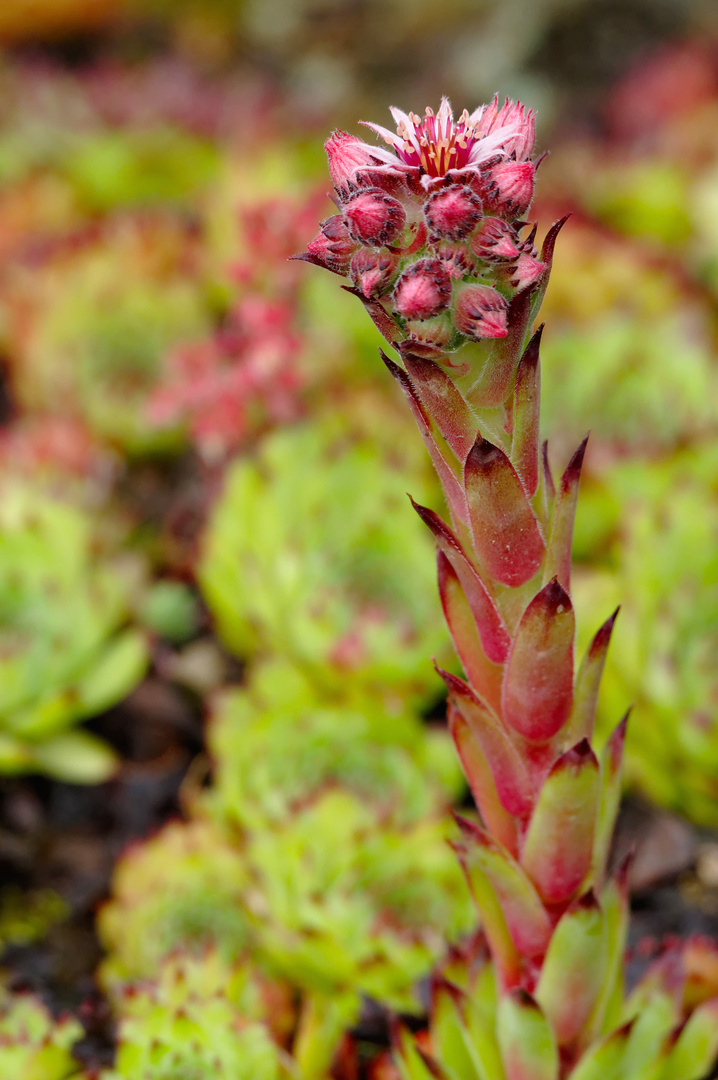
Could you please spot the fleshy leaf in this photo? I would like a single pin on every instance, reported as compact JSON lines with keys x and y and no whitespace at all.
{"x":494,"y":635}
{"x":509,"y":772}
{"x":494,"y":383}
{"x":525,"y":915}
{"x":528,"y":1046}
{"x":609,"y":798}
{"x":604,"y":1061}
{"x":696,"y":1047}
{"x":559,"y":841}
{"x":482,"y":673}
{"x":504,"y":527}
{"x":538,"y":684}
{"x":558,"y":551}
{"x":449,"y":481}
{"x":443,"y":402}
{"x":527,"y":400}
{"x":572,"y":973}
{"x":588,"y":681}
{"x":493,"y":922}
{"x":481,"y":780}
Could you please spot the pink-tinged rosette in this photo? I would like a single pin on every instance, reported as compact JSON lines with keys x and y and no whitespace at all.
{"x":436,"y":211}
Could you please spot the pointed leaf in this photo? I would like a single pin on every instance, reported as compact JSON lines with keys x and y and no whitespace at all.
{"x":481,"y":780}
{"x":696,"y":1048}
{"x":526,"y":917}
{"x":448,"y":1032}
{"x":588,"y":681}
{"x":503,"y":951}
{"x":504,"y":527}
{"x":558,"y":552}
{"x":647,"y":1043}
{"x":444,"y":404}
{"x":453,"y":490}
{"x":527,"y":400}
{"x":508,"y":770}
{"x":572,"y":973}
{"x":528,"y":1046}
{"x":604,"y":1061}
{"x":547,"y":251}
{"x":410,"y":1062}
{"x":494,"y":635}
{"x":538,"y":683}
{"x":482,"y":673}
{"x":385,"y":324}
{"x":559,"y":841}
{"x":609,"y":798}
{"x":615,"y":907}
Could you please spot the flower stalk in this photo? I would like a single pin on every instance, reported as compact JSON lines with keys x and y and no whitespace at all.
{"x":432,"y":237}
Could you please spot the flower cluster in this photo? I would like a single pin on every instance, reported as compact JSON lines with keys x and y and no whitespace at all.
{"x":430,"y":232}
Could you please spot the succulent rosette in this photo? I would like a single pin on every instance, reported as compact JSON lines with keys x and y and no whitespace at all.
{"x":541,"y":996}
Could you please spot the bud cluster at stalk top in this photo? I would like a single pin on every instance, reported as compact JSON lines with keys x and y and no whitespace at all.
{"x":431,"y":230}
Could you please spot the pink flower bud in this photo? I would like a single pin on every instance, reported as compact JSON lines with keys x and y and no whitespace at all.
{"x":332,"y":247}
{"x":375,"y":218}
{"x":509,"y":187}
{"x":452,"y":212}
{"x":495,"y":239}
{"x":480,"y":312}
{"x":423,"y":290}
{"x":528,"y":270}
{"x":346,"y":154}
{"x":372,"y":271}
{"x":456,"y":259}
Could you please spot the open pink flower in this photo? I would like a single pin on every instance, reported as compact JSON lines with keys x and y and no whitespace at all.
{"x":436,"y":144}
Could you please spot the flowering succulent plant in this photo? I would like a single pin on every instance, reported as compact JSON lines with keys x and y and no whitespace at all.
{"x":455,"y":289}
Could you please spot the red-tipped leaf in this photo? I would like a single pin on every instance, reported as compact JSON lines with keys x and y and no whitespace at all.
{"x":527,"y":400}
{"x":588,"y":682}
{"x":444,"y":404}
{"x":507,"y":768}
{"x":506,"y":533}
{"x":559,"y":841}
{"x":484,"y":675}
{"x":492,"y":631}
{"x":558,"y":552}
{"x":538,"y":683}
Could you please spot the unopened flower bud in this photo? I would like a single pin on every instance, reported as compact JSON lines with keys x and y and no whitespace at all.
{"x":456,"y":259}
{"x":495,"y":239}
{"x":333,"y":247}
{"x":346,"y":154}
{"x":423,"y":290}
{"x":428,"y":336}
{"x":480,"y":312}
{"x":528,"y":269}
{"x":452,"y":212}
{"x":509,"y":187}
{"x":374,"y":218}
{"x":372,"y":271}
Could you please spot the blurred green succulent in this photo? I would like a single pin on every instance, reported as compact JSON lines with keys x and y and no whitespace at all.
{"x":403,"y":768}
{"x":64,"y":655}
{"x":87,"y":333}
{"x":312,"y":554}
{"x":628,"y":352}
{"x":33,"y":1045}
{"x":662,"y":558}
{"x":197,"y":1018}
{"x":183,"y":888}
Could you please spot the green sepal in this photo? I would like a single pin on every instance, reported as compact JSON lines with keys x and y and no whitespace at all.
{"x":526,"y":1040}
